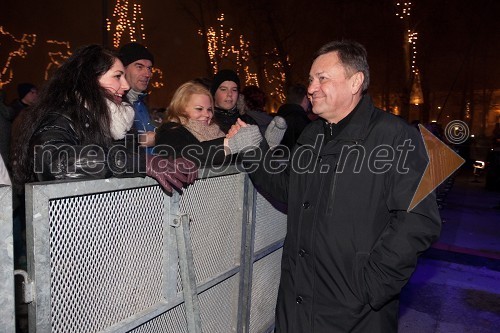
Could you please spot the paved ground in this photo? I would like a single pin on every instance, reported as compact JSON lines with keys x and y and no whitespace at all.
{"x":456,"y":287}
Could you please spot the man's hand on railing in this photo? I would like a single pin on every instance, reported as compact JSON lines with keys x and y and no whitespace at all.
{"x":171,"y":173}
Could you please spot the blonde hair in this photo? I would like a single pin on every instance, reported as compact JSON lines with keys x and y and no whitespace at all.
{"x":177,"y":108}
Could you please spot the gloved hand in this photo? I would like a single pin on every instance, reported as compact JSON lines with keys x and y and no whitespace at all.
{"x":246,"y":138}
{"x":275,"y":131}
{"x":171,"y":172}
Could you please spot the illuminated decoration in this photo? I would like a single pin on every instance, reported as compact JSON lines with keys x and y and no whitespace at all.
{"x":416,"y":95}
{"x":18,"y":50}
{"x":157,"y":79}
{"x":126,"y":17}
{"x":57,"y":57}
{"x":467,"y":110}
{"x":220,"y":47}
{"x":412,"y":39}
{"x":273,"y":71}
{"x":403,"y":9}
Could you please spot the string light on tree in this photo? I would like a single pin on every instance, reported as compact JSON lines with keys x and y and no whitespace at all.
{"x":412,"y":39}
{"x":222,"y":45}
{"x":125,"y":18}
{"x":157,"y":79}
{"x":274,"y":74}
{"x":18,"y":50}
{"x":58,"y":56}
{"x":403,"y":9}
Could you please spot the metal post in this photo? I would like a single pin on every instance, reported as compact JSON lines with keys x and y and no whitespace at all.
{"x":186,"y":263}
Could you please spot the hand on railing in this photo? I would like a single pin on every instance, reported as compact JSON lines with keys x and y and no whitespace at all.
{"x":171,"y":173}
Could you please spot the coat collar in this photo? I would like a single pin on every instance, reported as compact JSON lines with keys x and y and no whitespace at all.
{"x":355,"y":131}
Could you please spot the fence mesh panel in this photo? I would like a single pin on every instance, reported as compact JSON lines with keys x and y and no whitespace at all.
{"x":173,"y":321}
{"x":106,"y":255}
{"x":215,"y":207}
{"x":265,"y":281}
{"x":270,"y":224}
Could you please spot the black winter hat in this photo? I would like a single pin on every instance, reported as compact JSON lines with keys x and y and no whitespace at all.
{"x":224,"y":75}
{"x":134,"y":51}
{"x":24,"y":88}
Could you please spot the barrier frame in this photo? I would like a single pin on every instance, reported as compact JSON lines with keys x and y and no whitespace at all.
{"x":38,"y":196}
{"x":7,"y":299}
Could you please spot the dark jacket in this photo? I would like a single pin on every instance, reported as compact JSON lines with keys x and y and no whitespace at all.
{"x":173,"y":139}
{"x":296,"y":120}
{"x":60,"y":154}
{"x":351,"y":244}
{"x":226,"y":118}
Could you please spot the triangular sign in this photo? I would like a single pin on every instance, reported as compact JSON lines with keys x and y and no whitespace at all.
{"x":443,"y":161}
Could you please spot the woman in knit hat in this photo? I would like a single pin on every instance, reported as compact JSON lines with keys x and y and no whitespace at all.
{"x":225,"y":89}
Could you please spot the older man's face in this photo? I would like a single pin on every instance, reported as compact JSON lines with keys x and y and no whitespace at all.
{"x":138,"y":74}
{"x":332,"y":93}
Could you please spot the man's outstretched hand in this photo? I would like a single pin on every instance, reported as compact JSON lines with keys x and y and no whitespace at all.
{"x":171,"y":173}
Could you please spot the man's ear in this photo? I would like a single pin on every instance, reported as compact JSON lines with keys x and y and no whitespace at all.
{"x":357,"y":82}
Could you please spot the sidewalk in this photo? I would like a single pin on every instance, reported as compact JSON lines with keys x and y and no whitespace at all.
{"x":456,"y":286}
{"x":471,"y":217}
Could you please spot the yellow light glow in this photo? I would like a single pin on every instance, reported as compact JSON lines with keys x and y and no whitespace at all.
{"x":57,"y":57}
{"x":125,"y":18}
{"x":19,"y":50}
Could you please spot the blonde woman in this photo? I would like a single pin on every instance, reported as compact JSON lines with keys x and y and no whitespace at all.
{"x":189,"y":131}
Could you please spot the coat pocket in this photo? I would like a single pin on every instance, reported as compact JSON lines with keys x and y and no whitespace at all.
{"x":358,"y":273}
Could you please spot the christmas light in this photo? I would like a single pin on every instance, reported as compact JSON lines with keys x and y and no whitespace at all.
{"x":221,"y":45}
{"x":157,"y":79}
{"x":403,"y":9}
{"x":412,"y":39}
{"x":57,"y":58}
{"x":125,"y":18}
{"x":274,"y":74}
{"x":27,"y":40}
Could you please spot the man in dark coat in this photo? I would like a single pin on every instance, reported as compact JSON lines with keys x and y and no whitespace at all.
{"x":352,"y":243}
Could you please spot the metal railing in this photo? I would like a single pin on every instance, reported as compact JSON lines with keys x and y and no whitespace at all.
{"x":119,"y":255}
{"x":7,"y":309}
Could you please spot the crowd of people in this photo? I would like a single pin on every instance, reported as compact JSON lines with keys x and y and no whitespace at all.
{"x":352,"y":243}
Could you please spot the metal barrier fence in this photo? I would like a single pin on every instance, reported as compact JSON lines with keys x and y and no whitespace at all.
{"x":7,"y":323}
{"x":119,"y":255}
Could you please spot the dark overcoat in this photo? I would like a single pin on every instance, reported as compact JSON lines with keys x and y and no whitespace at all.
{"x":351,"y":243}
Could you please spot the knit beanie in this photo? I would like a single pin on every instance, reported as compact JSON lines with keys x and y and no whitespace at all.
{"x":23,"y":89}
{"x":134,"y":51}
{"x":224,"y":75}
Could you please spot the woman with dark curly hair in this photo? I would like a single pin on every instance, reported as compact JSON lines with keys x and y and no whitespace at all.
{"x":72,"y":131}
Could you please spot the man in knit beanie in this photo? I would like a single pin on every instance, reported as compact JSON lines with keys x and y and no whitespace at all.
{"x":27,"y":95}
{"x":225,"y":89}
{"x":138,"y":62}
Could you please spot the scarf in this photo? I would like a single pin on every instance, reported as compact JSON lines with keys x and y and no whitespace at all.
{"x":122,"y":118}
{"x":202,"y":131}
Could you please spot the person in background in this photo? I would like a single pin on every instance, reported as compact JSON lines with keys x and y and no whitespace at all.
{"x":254,"y":104}
{"x":138,"y":62}
{"x":225,"y":89}
{"x":352,"y":241}
{"x":27,"y":96}
{"x":7,"y":114}
{"x":189,"y":129}
{"x":294,"y":111}
{"x":75,"y":128}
